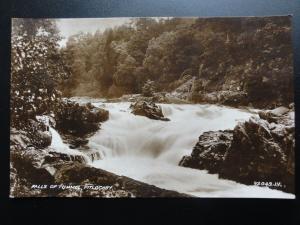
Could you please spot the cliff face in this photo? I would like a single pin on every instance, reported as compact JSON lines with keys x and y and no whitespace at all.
{"x":258,"y":150}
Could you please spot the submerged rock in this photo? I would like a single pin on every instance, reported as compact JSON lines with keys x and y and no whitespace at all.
{"x":255,"y":150}
{"x":148,"y":109}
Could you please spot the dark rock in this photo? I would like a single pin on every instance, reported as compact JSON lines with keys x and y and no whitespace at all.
{"x":28,"y":165}
{"x":280,"y":115}
{"x":54,"y":157}
{"x":94,"y":155}
{"x":35,"y":134}
{"x":41,"y":167}
{"x":255,"y":150}
{"x":256,"y":154}
{"x":148,"y":109}
{"x":77,"y":173}
{"x":78,"y":142}
{"x":233,"y":98}
{"x":79,"y":120}
{"x":209,"y":152}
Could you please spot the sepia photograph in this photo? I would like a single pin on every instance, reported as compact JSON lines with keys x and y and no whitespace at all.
{"x":152,"y":107}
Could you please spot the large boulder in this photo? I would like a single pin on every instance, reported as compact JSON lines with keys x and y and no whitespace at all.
{"x":259,"y":152}
{"x":148,"y":109}
{"x":256,"y":150}
{"x":79,"y":120}
{"x":33,"y":167}
{"x":119,"y":186}
{"x":29,"y":164}
{"x":209,"y":152}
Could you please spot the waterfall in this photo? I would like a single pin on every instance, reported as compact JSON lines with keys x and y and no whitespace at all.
{"x":58,"y":145}
{"x":128,"y":135}
{"x":149,"y":150}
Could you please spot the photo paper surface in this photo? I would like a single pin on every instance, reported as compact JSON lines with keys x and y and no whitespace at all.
{"x":152,"y":107}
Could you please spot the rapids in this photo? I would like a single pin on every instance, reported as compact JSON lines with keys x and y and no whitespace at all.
{"x":58,"y":145}
{"x":150,"y":150}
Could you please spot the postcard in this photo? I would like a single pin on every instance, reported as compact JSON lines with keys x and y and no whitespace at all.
{"x":152,"y":107}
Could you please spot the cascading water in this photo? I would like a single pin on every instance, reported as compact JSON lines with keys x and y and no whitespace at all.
{"x":149,"y":150}
{"x":58,"y":146}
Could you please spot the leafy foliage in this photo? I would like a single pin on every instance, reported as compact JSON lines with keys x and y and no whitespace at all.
{"x":36,"y":68}
{"x":252,"y":55}
{"x":247,"y":54}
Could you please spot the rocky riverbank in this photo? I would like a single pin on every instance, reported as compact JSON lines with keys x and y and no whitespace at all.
{"x":35,"y":165}
{"x":232,"y":92}
{"x":259,"y":150}
{"x":32,"y":169}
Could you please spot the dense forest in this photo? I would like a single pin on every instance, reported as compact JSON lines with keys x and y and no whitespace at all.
{"x":253,"y":55}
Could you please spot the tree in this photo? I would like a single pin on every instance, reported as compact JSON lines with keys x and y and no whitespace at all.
{"x":36,"y":68}
{"x":124,"y":76}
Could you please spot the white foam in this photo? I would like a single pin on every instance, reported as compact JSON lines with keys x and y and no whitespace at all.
{"x":150,"y":150}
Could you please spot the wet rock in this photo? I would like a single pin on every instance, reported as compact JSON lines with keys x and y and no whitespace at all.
{"x":258,"y":154}
{"x":55,"y":157}
{"x":28,"y":164}
{"x":119,"y":186}
{"x":94,"y":155}
{"x":148,"y":109}
{"x":79,"y":120}
{"x":209,"y":152}
{"x":78,"y":142}
{"x":256,"y":150}
{"x":31,"y":166}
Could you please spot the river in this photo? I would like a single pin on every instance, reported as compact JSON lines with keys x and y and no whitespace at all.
{"x":150,"y":150}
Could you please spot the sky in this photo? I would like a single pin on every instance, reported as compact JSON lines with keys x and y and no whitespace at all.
{"x":69,"y":27}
